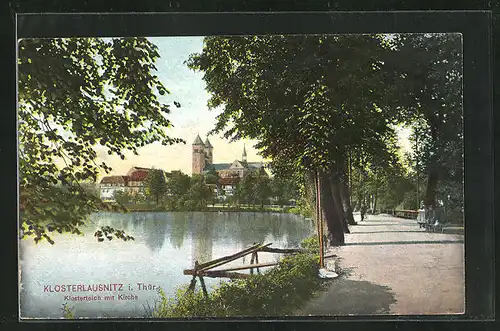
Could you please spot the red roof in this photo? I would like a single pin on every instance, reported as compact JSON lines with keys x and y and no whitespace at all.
{"x":138,"y":176}
{"x":114,"y":180}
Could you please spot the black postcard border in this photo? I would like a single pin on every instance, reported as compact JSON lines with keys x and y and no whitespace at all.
{"x":478,"y":116}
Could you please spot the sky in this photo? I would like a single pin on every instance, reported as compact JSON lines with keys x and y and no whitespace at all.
{"x":193,"y":117}
{"x":188,"y":88}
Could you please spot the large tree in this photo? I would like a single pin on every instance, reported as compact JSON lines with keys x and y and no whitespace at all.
{"x":77,"y":94}
{"x":156,"y":184}
{"x":307,"y":99}
{"x":430,"y":95}
{"x":247,"y":189}
{"x":262,"y":189}
{"x":199,"y":193}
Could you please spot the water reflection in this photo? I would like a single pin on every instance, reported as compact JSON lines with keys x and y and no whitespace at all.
{"x":203,"y":240}
{"x":155,"y":227}
{"x":174,"y":228}
{"x":179,"y":229}
{"x":165,"y":244}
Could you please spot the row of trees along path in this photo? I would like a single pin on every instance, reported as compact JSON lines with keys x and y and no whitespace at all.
{"x":318,"y":104}
{"x":326,"y":107}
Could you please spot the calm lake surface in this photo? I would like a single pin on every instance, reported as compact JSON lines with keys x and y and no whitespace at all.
{"x":165,"y":244}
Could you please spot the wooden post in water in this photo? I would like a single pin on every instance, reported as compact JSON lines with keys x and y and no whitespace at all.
{"x":257,"y":261}
{"x":203,"y":287}
{"x":251,"y":262}
{"x":192,"y":285}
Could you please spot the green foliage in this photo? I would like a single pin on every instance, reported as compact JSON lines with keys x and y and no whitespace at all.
{"x":283,"y":190}
{"x":308,"y":100}
{"x":199,"y":193}
{"x":332,"y":102}
{"x":178,"y":183}
{"x":156,"y":185}
{"x":107,"y":232}
{"x":305,"y":98}
{"x":262,"y":189}
{"x":68,"y":311}
{"x":75,"y":94}
{"x":281,"y":290}
{"x":311,"y":244}
{"x":246,"y":188}
{"x":212,"y":177}
{"x":122,"y":197}
{"x":431,"y":98}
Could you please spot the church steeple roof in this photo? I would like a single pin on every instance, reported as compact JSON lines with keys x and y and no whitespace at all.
{"x":198,"y":141}
{"x":244,"y":155}
{"x":208,"y":144}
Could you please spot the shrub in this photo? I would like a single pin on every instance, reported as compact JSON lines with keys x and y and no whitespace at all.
{"x":280,"y":291}
{"x":68,"y":311}
{"x":311,"y":244}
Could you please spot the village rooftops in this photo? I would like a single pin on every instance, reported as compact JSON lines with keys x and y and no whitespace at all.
{"x":135,"y":174}
{"x":115,"y":180}
{"x":139,"y":175}
{"x":224,"y":166}
{"x":217,"y":166}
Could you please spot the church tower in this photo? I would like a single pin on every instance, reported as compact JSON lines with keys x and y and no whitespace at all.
{"x":209,"y":149}
{"x":244,"y":155}
{"x":198,"y":155}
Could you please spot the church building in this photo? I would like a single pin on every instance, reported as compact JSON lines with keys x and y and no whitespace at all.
{"x":229,"y":173}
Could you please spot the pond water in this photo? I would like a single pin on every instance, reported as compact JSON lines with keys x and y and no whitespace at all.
{"x":120,"y":279}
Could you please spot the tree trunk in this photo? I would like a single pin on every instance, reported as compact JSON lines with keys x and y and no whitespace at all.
{"x":346,"y":199}
{"x":433,"y":176}
{"x":335,"y":187}
{"x":363,"y":207}
{"x":374,"y":203}
{"x":430,"y":192}
{"x":330,"y":212}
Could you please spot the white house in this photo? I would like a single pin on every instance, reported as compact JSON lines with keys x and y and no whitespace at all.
{"x":133,"y":182}
{"x":111,"y":184}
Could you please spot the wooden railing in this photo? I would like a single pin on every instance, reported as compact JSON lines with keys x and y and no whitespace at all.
{"x":201,"y":270}
{"x":409,"y":214}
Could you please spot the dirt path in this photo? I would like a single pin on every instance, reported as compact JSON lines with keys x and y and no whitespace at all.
{"x":395,"y":268}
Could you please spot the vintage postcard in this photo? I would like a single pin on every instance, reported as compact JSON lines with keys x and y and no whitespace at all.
{"x":241,"y":176}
